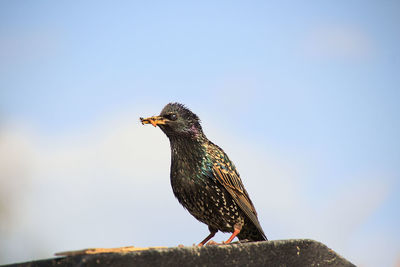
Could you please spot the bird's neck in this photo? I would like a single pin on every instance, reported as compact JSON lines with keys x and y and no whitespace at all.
{"x":187,"y":158}
{"x":185,"y":149}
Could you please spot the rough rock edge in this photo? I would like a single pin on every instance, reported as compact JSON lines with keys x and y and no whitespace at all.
{"x":293,"y":252}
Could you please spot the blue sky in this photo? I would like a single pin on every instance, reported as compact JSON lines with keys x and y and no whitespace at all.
{"x":311,"y":88}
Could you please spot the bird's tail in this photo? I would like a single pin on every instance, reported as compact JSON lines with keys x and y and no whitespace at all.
{"x":251,"y":232}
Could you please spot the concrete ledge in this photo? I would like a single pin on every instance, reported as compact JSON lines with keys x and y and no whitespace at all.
{"x":293,"y":252}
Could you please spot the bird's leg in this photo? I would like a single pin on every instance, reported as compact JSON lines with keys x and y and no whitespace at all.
{"x":235,"y":233}
{"x":211,"y":235}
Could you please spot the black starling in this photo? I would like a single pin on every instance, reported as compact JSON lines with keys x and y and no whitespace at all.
{"x":203,"y":178}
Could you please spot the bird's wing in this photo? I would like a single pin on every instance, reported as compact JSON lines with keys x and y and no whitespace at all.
{"x":226,"y":174}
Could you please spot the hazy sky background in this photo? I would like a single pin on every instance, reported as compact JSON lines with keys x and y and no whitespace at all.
{"x":304,"y":97}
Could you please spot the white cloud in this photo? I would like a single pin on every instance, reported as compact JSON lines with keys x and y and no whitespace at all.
{"x":109,"y":186}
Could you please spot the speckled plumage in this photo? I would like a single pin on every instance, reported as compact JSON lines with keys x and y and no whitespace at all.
{"x":203,"y":178}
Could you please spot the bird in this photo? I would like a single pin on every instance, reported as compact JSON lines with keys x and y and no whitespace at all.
{"x":204,"y":179}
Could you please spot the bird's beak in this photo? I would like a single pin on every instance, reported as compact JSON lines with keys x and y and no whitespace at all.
{"x":155,"y":120}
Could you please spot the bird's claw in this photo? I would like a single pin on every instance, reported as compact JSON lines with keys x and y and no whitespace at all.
{"x":213,"y":243}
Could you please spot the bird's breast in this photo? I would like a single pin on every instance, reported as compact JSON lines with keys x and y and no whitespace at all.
{"x":206,"y":200}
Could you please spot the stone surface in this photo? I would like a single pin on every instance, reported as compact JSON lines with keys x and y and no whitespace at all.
{"x":294,"y":252}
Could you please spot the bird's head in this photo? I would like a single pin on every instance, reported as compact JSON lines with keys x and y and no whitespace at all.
{"x":176,"y":120}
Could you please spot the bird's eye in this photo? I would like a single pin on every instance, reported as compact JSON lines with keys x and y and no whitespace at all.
{"x":172,"y":117}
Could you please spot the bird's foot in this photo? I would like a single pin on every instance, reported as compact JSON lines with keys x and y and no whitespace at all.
{"x":213,"y":243}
